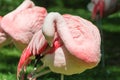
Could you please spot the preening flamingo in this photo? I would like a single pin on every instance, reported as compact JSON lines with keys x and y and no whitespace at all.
{"x":77,"y":35}
{"x":23,"y":22}
{"x":70,"y":45}
{"x":103,"y":7}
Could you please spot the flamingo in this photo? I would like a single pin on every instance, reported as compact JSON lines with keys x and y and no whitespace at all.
{"x":103,"y":7}
{"x":23,"y":22}
{"x":4,"y":38}
{"x":69,"y":45}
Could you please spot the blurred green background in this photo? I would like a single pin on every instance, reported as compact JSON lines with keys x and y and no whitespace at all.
{"x":109,"y":67}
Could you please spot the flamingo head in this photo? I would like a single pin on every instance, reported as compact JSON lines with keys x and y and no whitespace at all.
{"x":49,"y":40}
{"x":50,"y":33}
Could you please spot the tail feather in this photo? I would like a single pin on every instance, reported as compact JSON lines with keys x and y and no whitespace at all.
{"x":24,"y":60}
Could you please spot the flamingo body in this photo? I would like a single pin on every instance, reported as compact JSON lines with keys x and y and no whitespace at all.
{"x":81,"y":44}
{"x":23,"y":22}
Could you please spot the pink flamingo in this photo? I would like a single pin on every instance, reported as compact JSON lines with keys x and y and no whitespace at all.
{"x":23,"y":22}
{"x":74,"y":45}
{"x":103,"y":7}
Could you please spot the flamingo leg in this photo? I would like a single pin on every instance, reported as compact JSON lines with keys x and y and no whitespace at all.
{"x":37,"y":72}
{"x":40,"y":68}
{"x":62,"y":77}
{"x":38,"y":58}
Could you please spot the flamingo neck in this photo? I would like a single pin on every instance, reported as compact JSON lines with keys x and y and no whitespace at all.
{"x":98,"y":9}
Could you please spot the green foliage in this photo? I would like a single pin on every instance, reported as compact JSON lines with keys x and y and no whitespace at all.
{"x":76,"y":4}
{"x":8,"y":5}
{"x":8,"y":63}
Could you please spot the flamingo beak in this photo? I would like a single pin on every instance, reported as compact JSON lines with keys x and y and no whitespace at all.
{"x":50,"y":44}
{"x":50,"y":40}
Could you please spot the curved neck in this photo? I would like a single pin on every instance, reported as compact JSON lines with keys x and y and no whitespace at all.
{"x":61,"y":26}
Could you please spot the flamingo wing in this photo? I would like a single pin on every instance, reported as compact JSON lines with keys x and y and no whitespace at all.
{"x":23,"y":22}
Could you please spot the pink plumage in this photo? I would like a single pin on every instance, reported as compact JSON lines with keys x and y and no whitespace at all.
{"x":74,"y":44}
{"x":23,"y":22}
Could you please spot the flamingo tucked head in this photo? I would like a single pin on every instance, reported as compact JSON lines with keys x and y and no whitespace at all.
{"x":49,"y":33}
{"x":23,"y":22}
